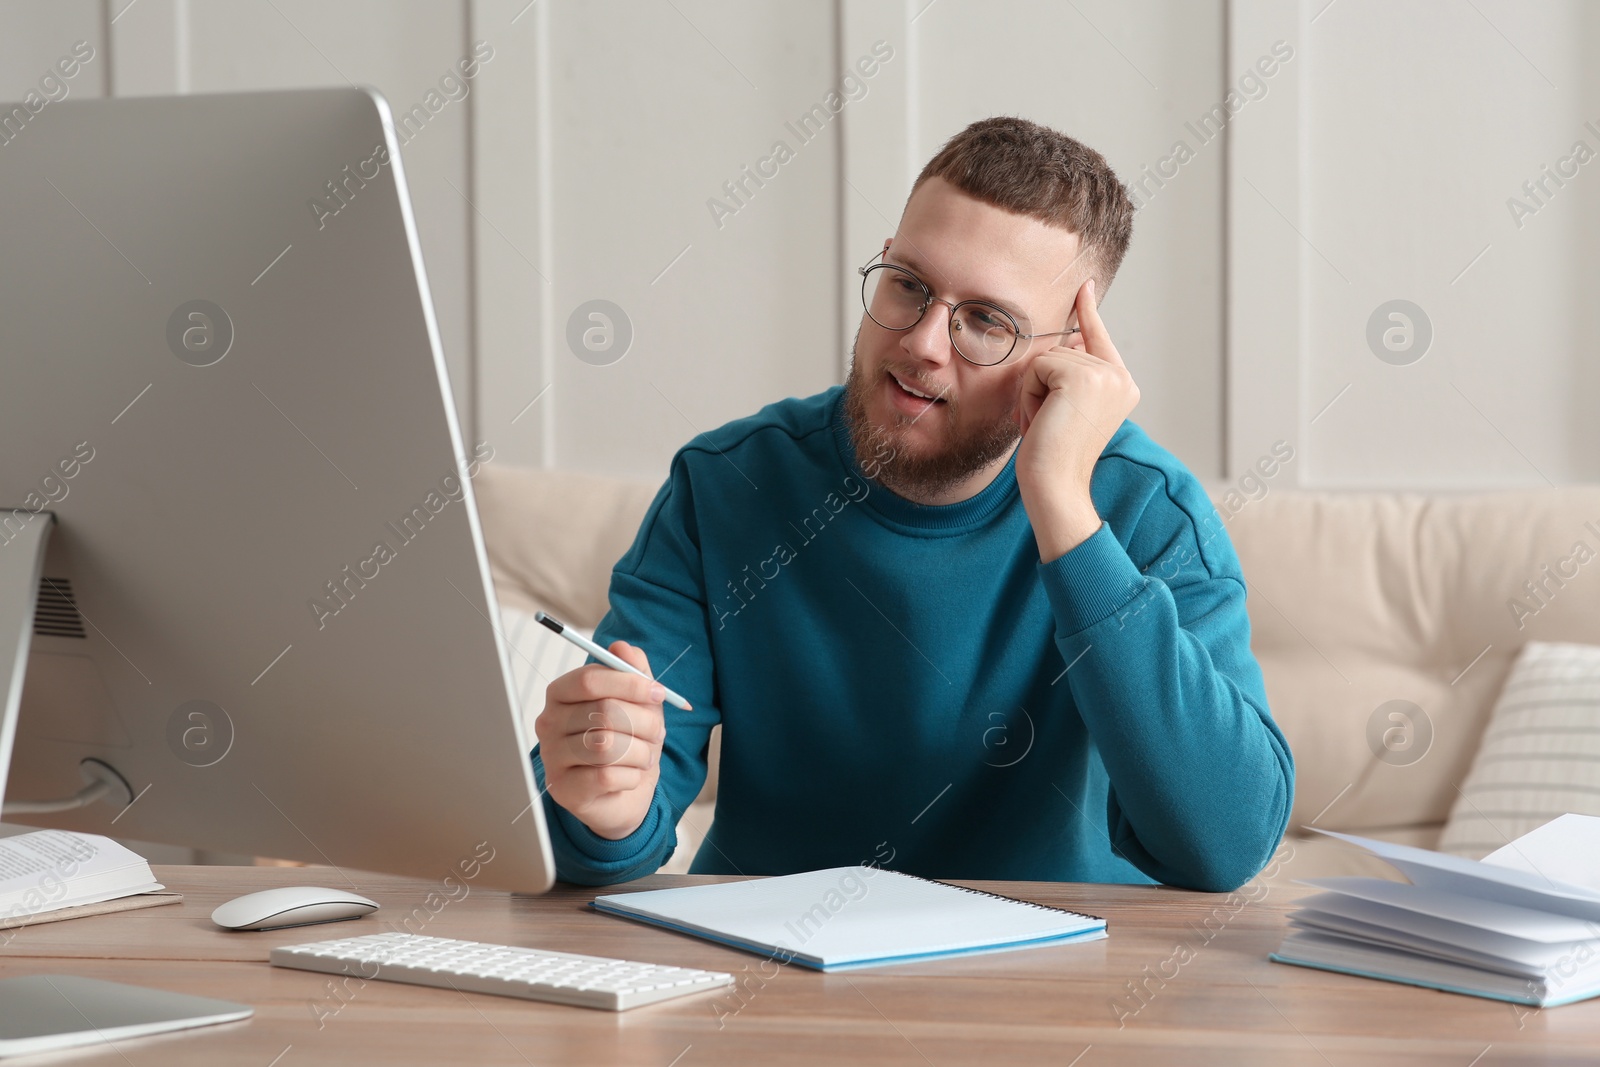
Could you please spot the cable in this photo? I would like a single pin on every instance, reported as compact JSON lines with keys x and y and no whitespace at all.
{"x":104,"y":783}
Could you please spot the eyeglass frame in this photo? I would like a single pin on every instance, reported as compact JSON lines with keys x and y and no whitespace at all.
{"x":950,"y":322}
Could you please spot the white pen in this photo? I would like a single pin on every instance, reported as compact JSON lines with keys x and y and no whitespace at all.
{"x":605,"y":657}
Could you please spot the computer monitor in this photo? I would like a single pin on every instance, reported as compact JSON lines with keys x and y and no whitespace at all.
{"x":264,"y":603}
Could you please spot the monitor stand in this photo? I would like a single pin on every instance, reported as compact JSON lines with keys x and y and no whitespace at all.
{"x":21,"y":569}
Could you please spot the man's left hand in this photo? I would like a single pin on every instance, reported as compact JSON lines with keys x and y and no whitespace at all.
{"x":1072,"y":400}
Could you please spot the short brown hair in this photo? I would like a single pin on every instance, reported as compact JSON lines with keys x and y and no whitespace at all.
{"x":1032,"y":170}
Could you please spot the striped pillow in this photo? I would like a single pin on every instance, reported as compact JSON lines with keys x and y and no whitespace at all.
{"x":538,"y":657}
{"x":1539,"y":757}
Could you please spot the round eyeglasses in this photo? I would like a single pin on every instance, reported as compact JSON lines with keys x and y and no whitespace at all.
{"x":981,"y":333}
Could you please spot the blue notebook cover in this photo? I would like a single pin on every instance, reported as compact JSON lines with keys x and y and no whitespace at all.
{"x":1323,"y":953}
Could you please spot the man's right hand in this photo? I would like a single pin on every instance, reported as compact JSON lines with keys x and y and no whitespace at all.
{"x":600,"y":738}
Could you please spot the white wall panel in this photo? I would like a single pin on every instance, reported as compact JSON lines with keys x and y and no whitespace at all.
{"x":1462,"y":105}
{"x":1390,"y":179}
{"x":651,"y":109}
{"x":1377,"y":164}
{"x":515,"y":298}
{"x":1267,"y":261}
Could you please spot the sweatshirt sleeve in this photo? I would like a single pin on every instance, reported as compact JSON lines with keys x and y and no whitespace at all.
{"x":1160,"y":669}
{"x":657,"y":598}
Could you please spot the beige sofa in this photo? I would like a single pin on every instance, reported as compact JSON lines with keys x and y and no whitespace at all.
{"x":1356,"y":600}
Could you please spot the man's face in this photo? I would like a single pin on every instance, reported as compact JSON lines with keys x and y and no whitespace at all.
{"x":962,"y":249}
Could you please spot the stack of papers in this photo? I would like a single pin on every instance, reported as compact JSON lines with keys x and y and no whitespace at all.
{"x":1521,"y":925}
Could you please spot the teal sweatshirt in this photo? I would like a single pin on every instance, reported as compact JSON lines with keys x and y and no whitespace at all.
{"x":909,"y":686}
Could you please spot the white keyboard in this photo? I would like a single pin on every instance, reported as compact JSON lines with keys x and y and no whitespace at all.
{"x":504,"y":970}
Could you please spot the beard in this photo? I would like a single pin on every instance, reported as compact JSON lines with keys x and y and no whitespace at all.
{"x":916,"y":475}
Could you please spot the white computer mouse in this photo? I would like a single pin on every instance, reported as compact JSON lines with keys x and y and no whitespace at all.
{"x":291,"y":906}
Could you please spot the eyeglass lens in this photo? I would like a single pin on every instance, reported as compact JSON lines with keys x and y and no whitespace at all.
{"x":896,"y":299}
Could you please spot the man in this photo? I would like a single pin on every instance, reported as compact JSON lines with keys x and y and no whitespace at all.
{"x":958,"y":617}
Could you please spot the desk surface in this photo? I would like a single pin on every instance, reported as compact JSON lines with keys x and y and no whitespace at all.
{"x":1207,"y":994}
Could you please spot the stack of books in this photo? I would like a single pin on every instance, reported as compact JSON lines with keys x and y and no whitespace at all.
{"x":1521,"y":925}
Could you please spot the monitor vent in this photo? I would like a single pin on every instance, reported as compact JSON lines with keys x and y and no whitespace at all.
{"x":56,"y":614}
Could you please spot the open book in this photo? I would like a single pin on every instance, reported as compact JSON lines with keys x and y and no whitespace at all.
{"x":49,"y":871}
{"x":1521,"y":925}
{"x":847,"y":917}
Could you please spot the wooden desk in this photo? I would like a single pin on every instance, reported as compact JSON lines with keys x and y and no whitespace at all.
{"x":1209,"y":995}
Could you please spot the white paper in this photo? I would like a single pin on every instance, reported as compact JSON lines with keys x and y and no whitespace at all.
{"x":1457,"y":874}
{"x":1414,"y":927}
{"x":1509,"y":919}
{"x":1565,"y":849}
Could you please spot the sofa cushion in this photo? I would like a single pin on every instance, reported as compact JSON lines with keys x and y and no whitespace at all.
{"x":1386,"y":623}
{"x":538,"y":657}
{"x":1540,"y":756}
{"x":553,"y":536}
{"x":1312,"y":855}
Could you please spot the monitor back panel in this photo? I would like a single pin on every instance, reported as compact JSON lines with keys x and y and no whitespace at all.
{"x":267,"y":602}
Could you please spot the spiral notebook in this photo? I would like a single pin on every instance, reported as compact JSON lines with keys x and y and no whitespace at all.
{"x":849,"y":917}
